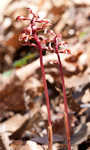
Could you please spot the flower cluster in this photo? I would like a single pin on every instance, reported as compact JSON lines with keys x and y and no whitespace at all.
{"x":40,"y":27}
{"x":38,"y":34}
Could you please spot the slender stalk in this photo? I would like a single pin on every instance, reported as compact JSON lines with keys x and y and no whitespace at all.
{"x":50,"y":133}
{"x":64,"y":95}
{"x":65,"y":104}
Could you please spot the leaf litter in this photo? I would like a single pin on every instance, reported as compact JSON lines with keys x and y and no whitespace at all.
{"x":23,"y":115}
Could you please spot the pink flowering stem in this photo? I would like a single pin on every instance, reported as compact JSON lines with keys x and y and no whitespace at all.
{"x":46,"y":95}
{"x":65,"y":98}
{"x":65,"y":104}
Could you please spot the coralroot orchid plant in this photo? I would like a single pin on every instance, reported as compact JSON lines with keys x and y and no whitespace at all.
{"x":38,"y":34}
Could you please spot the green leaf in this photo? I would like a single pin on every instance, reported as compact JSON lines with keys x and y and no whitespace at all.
{"x":7,"y":73}
{"x":82,"y":34}
{"x":23,"y":61}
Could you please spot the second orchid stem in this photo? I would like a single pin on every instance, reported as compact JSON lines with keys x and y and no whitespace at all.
{"x":65,"y":104}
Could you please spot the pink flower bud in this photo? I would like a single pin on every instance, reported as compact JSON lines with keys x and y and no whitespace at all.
{"x":19,"y":18}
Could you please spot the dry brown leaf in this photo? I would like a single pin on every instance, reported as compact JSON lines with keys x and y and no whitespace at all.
{"x":13,"y":124}
{"x":34,"y":146}
{"x":11,"y":95}
{"x":19,"y":145}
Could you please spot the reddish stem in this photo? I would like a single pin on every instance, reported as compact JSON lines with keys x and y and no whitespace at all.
{"x":46,"y":93}
{"x":64,"y":95}
{"x":65,"y":103}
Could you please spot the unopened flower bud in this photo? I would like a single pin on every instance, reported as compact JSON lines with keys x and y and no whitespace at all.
{"x":20,"y":18}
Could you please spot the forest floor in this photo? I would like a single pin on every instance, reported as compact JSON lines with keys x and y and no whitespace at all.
{"x":23,"y":112}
